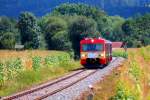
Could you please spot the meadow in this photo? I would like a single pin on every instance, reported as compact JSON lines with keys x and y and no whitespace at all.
{"x":20,"y":70}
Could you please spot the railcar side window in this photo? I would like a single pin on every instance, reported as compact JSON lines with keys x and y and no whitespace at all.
{"x":92,"y":47}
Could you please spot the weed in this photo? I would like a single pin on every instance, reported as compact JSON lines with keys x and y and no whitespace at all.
{"x":123,"y":93}
{"x":1,"y":74}
{"x":135,"y":70}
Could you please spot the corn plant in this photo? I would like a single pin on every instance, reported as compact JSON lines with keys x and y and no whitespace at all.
{"x":51,"y":60}
{"x":36,"y":62}
{"x":64,"y":58}
{"x":57,"y":59}
{"x":13,"y":66}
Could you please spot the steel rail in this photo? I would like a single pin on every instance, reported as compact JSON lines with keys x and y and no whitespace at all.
{"x":41,"y":87}
{"x":52,"y":83}
{"x":69,"y":85}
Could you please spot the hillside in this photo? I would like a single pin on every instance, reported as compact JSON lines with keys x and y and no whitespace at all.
{"x":125,"y":8}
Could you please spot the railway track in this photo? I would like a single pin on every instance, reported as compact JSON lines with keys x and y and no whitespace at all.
{"x":54,"y":87}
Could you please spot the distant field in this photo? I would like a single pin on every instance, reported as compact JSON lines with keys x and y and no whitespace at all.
{"x":5,"y":54}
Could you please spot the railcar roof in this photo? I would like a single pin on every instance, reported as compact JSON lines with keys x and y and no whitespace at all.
{"x":94,"y":40}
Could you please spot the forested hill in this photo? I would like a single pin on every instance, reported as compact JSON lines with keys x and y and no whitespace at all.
{"x":125,"y":8}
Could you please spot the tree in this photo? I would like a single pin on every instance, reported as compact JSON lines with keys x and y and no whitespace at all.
{"x":114,"y":31}
{"x":137,"y":29}
{"x":81,"y":27}
{"x":56,"y":33}
{"x":8,"y":33}
{"x":5,"y":24}
{"x":30,"y":32}
{"x":78,"y":9}
{"x":7,"y":40}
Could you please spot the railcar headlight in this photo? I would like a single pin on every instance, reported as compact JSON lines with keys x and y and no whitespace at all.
{"x":83,"y":55}
{"x":102,"y":55}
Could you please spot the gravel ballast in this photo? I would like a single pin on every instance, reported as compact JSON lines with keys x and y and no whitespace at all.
{"x":74,"y":91}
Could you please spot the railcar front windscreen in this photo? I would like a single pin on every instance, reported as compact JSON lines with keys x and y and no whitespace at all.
{"x":92,"y":47}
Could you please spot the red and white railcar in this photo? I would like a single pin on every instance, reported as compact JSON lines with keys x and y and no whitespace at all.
{"x":95,"y":51}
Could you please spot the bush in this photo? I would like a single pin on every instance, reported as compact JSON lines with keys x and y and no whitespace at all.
{"x":7,"y":40}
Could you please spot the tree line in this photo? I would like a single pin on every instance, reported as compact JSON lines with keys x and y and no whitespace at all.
{"x":67,"y":24}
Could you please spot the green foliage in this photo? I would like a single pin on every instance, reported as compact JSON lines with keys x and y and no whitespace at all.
{"x":78,"y":9}
{"x":30,"y":32}
{"x":137,"y":31}
{"x":120,"y":54}
{"x":55,"y":65}
{"x":57,"y":59}
{"x":36,"y":62}
{"x":61,"y":41}
{"x":123,"y":93}
{"x":5,"y":24}
{"x":7,"y":40}
{"x":135,"y":70}
{"x":1,"y":73}
{"x":28,"y":77}
{"x":8,"y":33}
{"x":9,"y":69}
{"x":56,"y":33}
{"x":111,"y":28}
{"x":12,"y":67}
{"x":145,"y":52}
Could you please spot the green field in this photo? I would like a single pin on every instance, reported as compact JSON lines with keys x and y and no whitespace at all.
{"x":24,"y":69}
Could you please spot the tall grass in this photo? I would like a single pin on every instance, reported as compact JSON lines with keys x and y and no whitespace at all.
{"x":145,"y":52}
{"x":120,"y":54}
{"x":123,"y":92}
